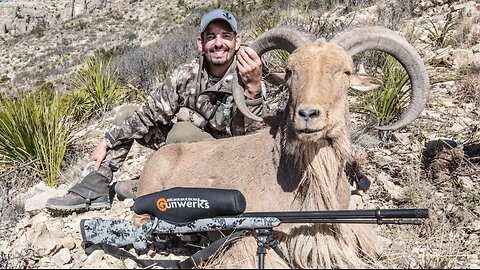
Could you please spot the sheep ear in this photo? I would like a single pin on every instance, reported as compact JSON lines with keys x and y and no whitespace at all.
{"x":276,"y":79}
{"x":364,"y":83}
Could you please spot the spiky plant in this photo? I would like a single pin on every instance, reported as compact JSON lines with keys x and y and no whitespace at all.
{"x":34,"y":127}
{"x":100,"y":83}
{"x":385,"y":104}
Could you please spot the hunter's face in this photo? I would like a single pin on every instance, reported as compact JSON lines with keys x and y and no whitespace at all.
{"x":219,"y":44}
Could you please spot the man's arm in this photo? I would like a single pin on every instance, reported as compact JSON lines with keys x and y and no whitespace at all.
{"x":99,"y":153}
{"x":158,"y":109}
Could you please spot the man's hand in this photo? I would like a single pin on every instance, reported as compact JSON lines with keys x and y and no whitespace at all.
{"x":250,"y":70}
{"x":99,"y":154}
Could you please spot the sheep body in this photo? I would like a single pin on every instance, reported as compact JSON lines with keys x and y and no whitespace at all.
{"x":296,"y":164}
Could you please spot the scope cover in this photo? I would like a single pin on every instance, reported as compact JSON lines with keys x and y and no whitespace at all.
{"x":179,"y":205}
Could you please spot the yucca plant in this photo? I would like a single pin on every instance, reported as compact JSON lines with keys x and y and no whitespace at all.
{"x":80,"y":105}
{"x":100,"y":83}
{"x":53,"y":129}
{"x":16,"y":130}
{"x":386,"y":103}
{"x":34,"y":126}
{"x":440,"y":36}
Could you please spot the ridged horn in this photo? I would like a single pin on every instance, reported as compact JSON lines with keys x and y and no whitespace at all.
{"x":284,"y":38}
{"x":379,"y":38}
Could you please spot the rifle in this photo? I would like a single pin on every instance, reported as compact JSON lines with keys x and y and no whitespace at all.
{"x":224,"y":213}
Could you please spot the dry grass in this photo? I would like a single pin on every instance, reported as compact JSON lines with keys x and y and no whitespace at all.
{"x":144,"y":67}
{"x":466,"y":34}
{"x":432,"y":246}
{"x":469,"y":89}
{"x":447,"y":239}
{"x":13,"y":184}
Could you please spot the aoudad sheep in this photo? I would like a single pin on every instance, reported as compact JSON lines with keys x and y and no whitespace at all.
{"x":297,"y":162}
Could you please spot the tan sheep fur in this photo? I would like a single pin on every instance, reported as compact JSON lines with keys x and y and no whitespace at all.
{"x":293,"y":165}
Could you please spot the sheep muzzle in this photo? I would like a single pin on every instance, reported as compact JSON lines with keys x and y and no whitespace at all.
{"x":309,"y":119}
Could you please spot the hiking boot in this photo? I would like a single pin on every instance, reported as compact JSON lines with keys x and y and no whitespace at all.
{"x":72,"y":202}
{"x":126,"y":189}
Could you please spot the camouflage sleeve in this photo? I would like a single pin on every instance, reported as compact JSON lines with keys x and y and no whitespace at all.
{"x":157,"y":111}
{"x":259,"y":101}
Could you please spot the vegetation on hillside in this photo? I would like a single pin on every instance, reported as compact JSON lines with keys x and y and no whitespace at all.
{"x":36,"y":127}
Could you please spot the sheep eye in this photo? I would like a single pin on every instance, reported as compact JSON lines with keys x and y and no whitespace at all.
{"x":348,"y":73}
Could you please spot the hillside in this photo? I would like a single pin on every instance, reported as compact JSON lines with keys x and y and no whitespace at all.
{"x":43,"y":41}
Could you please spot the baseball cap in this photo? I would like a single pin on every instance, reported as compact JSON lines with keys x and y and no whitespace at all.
{"x":218,"y":14}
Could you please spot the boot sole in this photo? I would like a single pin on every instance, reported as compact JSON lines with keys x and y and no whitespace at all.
{"x":83,"y":207}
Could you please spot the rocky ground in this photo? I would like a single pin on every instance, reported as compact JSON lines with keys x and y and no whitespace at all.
{"x":448,"y":184}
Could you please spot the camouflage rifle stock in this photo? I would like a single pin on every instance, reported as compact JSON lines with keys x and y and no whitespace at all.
{"x":121,"y":232}
{"x":186,"y":214}
{"x":118,"y":233}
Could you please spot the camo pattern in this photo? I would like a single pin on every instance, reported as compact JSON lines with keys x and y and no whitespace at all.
{"x":214,"y":224}
{"x":114,"y":232}
{"x":121,"y":233}
{"x":189,"y":86}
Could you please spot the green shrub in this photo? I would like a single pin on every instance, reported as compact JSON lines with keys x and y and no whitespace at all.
{"x":38,"y":31}
{"x":16,"y":129}
{"x":34,"y":126}
{"x":276,"y":60}
{"x":80,"y":25}
{"x":100,"y":84}
{"x":387,"y":103}
{"x":4,"y":78}
{"x":440,"y":35}
{"x":80,"y":105}
{"x":53,"y":129}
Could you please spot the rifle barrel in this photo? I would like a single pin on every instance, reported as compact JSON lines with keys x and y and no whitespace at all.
{"x":378,"y":214}
{"x":353,"y":221}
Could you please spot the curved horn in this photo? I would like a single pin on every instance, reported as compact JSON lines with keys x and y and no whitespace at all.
{"x":358,"y":40}
{"x":284,"y":38}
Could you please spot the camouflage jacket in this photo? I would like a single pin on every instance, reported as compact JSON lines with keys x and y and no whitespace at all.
{"x":190,"y":87}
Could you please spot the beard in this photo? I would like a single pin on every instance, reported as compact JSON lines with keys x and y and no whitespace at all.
{"x":220,"y":57}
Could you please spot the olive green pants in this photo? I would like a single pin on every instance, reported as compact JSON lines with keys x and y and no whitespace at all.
{"x":186,"y":132}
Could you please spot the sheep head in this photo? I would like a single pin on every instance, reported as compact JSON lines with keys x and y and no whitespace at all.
{"x":318,"y":79}
{"x":353,"y":41}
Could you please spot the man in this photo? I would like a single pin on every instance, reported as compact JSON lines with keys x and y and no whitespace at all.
{"x":195,"y":103}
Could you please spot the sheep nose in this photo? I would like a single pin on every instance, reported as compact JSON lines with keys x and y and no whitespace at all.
{"x":308,"y":113}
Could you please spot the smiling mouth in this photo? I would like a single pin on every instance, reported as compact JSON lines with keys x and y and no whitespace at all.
{"x":219,"y":52}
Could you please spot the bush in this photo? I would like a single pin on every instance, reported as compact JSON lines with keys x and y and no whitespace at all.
{"x":96,"y":86}
{"x":4,"y":78}
{"x":144,"y":67}
{"x":384,"y":105}
{"x":440,"y":35}
{"x":393,"y":13}
{"x":34,"y":127}
{"x":80,"y":104}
